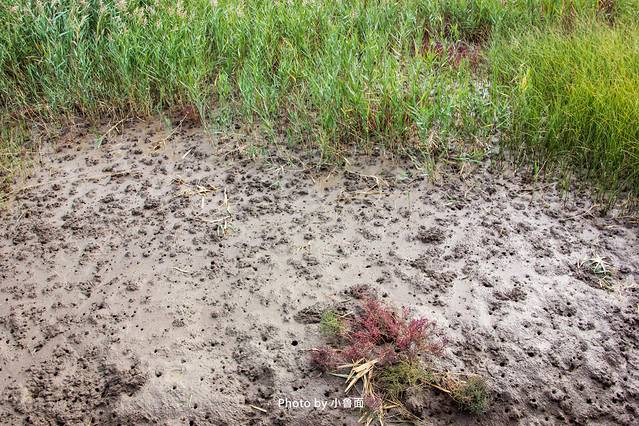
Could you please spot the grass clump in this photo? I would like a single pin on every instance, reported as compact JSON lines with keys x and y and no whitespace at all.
{"x":396,"y":379}
{"x":332,"y":324}
{"x":383,"y":352}
{"x":575,"y":100}
{"x":472,"y":395}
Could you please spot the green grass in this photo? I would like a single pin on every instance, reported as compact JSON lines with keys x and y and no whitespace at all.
{"x":575,"y":100}
{"x":14,"y":148}
{"x":395,"y":380}
{"x":409,"y":76}
{"x":472,"y":395}
{"x":332,"y":325}
{"x":92,"y":57}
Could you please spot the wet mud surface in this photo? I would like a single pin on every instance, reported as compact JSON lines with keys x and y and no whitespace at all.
{"x":177,"y":277}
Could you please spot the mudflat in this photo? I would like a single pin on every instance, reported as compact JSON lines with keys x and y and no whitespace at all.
{"x":178,"y":277}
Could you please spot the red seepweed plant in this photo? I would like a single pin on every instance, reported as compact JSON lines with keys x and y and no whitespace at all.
{"x":384,"y":351}
{"x":377,"y":332}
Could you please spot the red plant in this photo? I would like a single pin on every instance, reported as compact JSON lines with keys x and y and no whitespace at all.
{"x":379,"y":332}
{"x":378,"y":324}
{"x":325,"y":358}
{"x":413,"y":334}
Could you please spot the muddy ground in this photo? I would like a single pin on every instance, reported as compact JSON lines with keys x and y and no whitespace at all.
{"x":173,"y":276}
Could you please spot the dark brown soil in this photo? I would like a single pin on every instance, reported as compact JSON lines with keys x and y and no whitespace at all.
{"x":176,"y":277}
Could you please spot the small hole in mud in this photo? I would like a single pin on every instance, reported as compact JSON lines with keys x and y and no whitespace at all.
{"x":294,"y":343}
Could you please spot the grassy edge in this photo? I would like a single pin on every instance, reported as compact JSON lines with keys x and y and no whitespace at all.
{"x":387,"y":82}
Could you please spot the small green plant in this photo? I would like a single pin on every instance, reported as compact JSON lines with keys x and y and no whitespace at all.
{"x":599,"y":266}
{"x":332,"y":324}
{"x":601,"y":269}
{"x":256,"y":151}
{"x":396,"y":379}
{"x":471,"y":395}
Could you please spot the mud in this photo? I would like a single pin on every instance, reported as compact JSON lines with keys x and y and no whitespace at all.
{"x":174,"y":276}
